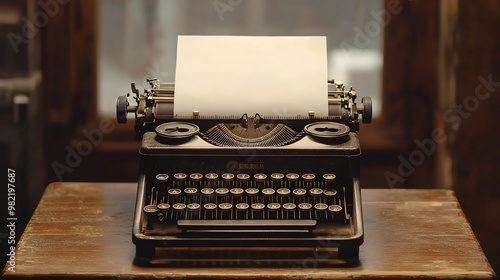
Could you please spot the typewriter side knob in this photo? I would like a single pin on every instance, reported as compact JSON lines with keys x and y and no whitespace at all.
{"x":367,"y":109}
{"x":121,"y":109}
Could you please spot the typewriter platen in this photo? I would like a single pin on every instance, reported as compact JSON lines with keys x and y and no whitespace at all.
{"x":247,"y":190}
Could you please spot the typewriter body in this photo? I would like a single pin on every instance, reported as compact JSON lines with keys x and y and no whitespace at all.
{"x":247,"y":190}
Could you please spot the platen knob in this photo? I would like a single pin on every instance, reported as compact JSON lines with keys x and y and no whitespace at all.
{"x":121,"y":109}
{"x":367,"y":109}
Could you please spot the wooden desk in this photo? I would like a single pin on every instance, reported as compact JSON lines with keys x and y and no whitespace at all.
{"x":83,"y":230}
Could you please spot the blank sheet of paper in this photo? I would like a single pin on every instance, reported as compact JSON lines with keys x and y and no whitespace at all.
{"x":233,"y":75}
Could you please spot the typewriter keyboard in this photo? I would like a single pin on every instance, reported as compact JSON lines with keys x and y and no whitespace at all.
{"x":273,"y":197}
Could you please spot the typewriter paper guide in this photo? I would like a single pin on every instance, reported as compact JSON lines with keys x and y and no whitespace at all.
{"x":232,"y":75}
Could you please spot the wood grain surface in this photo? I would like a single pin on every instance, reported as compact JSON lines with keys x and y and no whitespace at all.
{"x":83,"y":230}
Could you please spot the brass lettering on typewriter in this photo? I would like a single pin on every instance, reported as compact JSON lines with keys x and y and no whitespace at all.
{"x":246,"y":165}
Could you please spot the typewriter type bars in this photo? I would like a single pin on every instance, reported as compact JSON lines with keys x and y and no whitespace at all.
{"x":246,"y":190}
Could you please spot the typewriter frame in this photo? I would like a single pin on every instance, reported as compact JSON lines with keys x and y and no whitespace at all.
{"x":312,"y":154}
{"x":154,"y":154}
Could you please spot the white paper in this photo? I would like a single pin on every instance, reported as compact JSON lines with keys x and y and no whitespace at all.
{"x":233,"y":75}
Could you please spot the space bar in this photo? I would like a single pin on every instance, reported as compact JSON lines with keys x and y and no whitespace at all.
{"x":247,"y":225}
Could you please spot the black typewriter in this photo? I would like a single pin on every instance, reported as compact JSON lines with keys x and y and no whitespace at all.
{"x":247,"y":190}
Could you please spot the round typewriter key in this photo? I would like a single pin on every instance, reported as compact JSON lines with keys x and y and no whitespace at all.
{"x":236,"y":191}
{"x":257,"y":210}
{"x":241,"y":210}
{"x":179,"y":206}
{"x":196,"y":177}
{"x":289,"y":210}
{"x":273,"y":206}
{"x":227,"y":177}
{"x":283,"y":192}
{"x":334,"y":208}
{"x":222,"y":191}
{"x":225,"y":206}
{"x":305,"y":211}
{"x":308,"y":177}
{"x":329,"y":195}
{"x":242,"y":206}
{"x":207,"y":191}
{"x":252,"y":191}
{"x":174,"y":192}
{"x":315,"y":192}
{"x":180,"y":176}
{"x":190,"y":191}
{"x":299,"y":192}
{"x":292,"y":176}
{"x":320,"y":207}
{"x":243,"y":177}
{"x":193,"y":206}
{"x":305,"y":206}
{"x":268,"y":192}
{"x":329,"y":177}
{"x":161,"y":178}
{"x":277,"y":176}
{"x":150,"y":209}
{"x":330,"y":192}
{"x":289,"y":206}
{"x":210,"y":206}
{"x":258,"y":206}
{"x":163,"y":206}
{"x":260,"y":177}
{"x":211,"y":176}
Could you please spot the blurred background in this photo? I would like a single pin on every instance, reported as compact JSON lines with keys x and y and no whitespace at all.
{"x":431,"y":67}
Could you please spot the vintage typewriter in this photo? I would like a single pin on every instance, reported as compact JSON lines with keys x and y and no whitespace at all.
{"x":247,"y":190}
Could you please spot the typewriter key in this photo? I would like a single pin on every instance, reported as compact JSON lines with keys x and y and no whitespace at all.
{"x":305,"y":210}
{"x":211,"y":176}
{"x":241,"y":210}
{"x":209,"y":210}
{"x":268,"y":192}
{"x":292,"y":176}
{"x":207,"y":191}
{"x":163,"y":206}
{"x":273,"y":212}
{"x":225,"y":210}
{"x":277,"y":177}
{"x":179,"y":210}
{"x":335,"y":211}
{"x":260,"y":177}
{"x":193,"y":206}
{"x":190,"y":191}
{"x":252,"y":191}
{"x":237,"y":194}
{"x":150,"y":209}
{"x":237,"y":191}
{"x":161,"y":178}
{"x":292,"y":179}
{"x":243,"y":179}
{"x":320,"y":211}
{"x":193,"y":210}
{"x":329,"y":177}
{"x":289,"y":210}
{"x":277,"y":180}
{"x":210,"y":206}
{"x":315,"y":192}
{"x":196,"y":177}
{"x":308,"y":177}
{"x":329,"y":195}
{"x":283,"y":194}
{"x":258,"y":210}
{"x":227,"y":177}
{"x":180,"y":176}
{"x":299,"y":195}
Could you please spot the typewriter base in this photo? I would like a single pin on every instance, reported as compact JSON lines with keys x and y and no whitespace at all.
{"x":253,"y":256}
